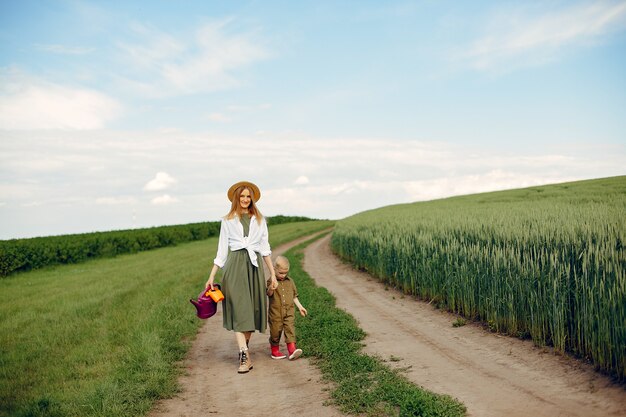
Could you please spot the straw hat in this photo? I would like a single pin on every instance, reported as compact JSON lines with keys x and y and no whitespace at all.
{"x":253,"y":187}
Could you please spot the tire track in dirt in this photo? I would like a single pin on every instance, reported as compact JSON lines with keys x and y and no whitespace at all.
{"x":492,"y":375}
{"x":212,"y":386}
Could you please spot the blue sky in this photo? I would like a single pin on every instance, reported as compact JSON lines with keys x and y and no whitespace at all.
{"x":119,"y":114}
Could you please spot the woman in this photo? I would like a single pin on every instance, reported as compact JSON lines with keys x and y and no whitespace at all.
{"x":244,"y":232}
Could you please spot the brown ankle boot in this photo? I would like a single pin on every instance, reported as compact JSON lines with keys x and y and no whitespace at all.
{"x":245,"y":364}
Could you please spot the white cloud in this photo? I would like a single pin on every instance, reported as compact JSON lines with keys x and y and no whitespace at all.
{"x":114,"y":201}
{"x":219,"y":117}
{"x":497,"y":179}
{"x":169,"y":65}
{"x":236,"y":109}
{"x":16,"y":192}
{"x":31,"y":104}
{"x":301,"y":180}
{"x":33,"y":204}
{"x":64,"y":49}
{"x":162,"y":181}
{"x":350,"y":175}
{"x":520,"y":39}
{"x":165,"y":199}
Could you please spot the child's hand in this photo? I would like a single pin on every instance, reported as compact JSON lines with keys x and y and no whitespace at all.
{"x":303,"y":312}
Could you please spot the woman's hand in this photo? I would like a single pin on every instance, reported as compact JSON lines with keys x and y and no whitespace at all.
{"x":209,"y":283}
{"x":274,"y":283}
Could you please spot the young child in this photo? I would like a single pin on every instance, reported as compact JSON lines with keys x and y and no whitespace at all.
{"x":281,"y":315}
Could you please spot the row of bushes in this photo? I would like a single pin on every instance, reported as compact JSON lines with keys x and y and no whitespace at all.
{"x":27,"y":254}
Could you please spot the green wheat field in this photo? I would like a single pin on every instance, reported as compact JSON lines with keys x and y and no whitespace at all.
{"x":547,"y":262}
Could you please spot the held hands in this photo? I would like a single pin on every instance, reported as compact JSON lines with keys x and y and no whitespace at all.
{"x":273,"y":282}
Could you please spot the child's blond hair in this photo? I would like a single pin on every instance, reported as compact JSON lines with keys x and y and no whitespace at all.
{"x":282,"y":262}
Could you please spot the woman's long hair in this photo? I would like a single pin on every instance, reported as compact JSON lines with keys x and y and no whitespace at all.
{"x":235,"y":207}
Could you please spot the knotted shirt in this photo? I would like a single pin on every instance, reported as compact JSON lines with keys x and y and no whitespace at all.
{"x":231,"y":236}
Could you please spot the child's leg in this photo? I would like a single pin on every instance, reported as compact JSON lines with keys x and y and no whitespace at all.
{"x":289,"y":328}
{"x":276,"y":328}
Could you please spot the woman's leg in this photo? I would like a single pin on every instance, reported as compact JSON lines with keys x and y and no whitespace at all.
{"x":245,"y":364}
{"x":241,"y":340}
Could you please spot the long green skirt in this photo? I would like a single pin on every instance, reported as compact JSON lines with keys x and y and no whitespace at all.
{"x":243,"y":285}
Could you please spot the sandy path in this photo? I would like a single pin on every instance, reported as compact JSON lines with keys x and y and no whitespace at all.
{"x":492,"y":375}
{"x":212,"y":386}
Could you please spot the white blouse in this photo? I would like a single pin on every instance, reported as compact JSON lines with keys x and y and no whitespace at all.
{"x":231,"y":236}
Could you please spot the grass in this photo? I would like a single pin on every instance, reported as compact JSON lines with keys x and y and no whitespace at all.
{"x":459,"y":322}
{"x":104,"y":337}
{"x":362,"y":384}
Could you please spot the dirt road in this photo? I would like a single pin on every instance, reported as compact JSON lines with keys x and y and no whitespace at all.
{"x":492,"y":375}
{"x":212,"y":386}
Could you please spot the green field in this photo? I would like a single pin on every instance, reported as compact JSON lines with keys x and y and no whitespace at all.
{"x":547,"y":262}
{"x":104,"y":337}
